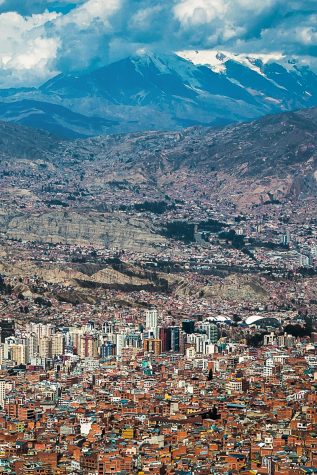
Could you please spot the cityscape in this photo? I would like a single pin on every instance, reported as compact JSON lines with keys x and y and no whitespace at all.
{"x":158,"y":237}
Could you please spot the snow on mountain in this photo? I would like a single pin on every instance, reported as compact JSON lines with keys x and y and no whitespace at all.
{"x":152,"y":91}
{"x":290,"y":75}
{"x":217,"y":59}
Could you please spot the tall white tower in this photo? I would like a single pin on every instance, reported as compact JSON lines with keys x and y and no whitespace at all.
{"x":151,"y":319}
{"x":2,"y":392}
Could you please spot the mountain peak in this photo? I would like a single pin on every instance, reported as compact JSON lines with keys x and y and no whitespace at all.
{"x":154,"y":91}
{"x":217,"y":60}
{"x":164,"y":63}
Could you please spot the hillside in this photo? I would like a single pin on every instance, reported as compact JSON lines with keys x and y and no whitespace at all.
{"x":84,"y":191}
{"x":22,"y":142}
{"x":268,"y":146}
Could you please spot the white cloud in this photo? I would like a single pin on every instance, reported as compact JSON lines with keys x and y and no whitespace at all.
{"x":253,"y":5}
{"x":88,"y":33}
{"x":199,"y":12}
{"x":24,"y":48}
{"x":307,"y":35}
{"x":143,"y":18}
{"x":32,"y":47}
{"x":92,"y":10}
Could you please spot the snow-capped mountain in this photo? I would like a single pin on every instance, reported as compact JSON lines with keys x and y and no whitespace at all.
{"x":150,"y":91}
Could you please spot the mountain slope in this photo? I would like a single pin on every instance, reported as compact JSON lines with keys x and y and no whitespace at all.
{"x":272,"y":145}
{"x":148,"y":79}
{"x":243,"y":164}
{"x":163,"y":92}
{"x":18,"y":142}
{"x":84,"y":191}
{"x":54,"y":118}
{"x":279,"y":80}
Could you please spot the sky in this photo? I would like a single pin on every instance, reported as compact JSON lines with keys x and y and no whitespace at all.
{"x":39,"y":39}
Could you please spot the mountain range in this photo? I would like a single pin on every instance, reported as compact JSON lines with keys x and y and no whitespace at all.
{"x":148,"y":91}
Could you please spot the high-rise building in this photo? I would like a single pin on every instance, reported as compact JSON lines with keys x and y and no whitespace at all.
{"x":88,"y":346}
{"x":7,"y":328}
{"x":1,"y":353}
{"x":58,"y":344}
{"x":90,"y":325}
{"x":170,"y":337}
{"x":269,"y":339}
{"x":2,"y":392}
{"x":153,"y":345}
{"x":151,"y":319}
{"x":211,"y":331}
{"x":200,"y":341}
{"x":108,"y":328}
{"x":133,"y":340}
{"x":165,"y":337}
{"x":175,"y":339}
{"x":107,"y":349}
{"x":188,"y":326}
{"x":33,"y":344}
{"x":286,"y":238}
{"x":45,"y":347}
{"x":304,"y":261}
{"x":41,"y":329}
{"x":19,"y":353}
{"x":120,"y":343}
{"x":75,"y":335}
{"x":8,"y":343}
{"x":182,"y":342}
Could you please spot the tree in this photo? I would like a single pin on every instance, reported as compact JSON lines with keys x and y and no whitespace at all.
{"x":210,"y":375}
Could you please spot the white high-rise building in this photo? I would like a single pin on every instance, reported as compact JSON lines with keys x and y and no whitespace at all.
{"x":108,"y":328}
{"x":151,"y":319}
{"x":45,"y":347}
{"x":120,"y":343}
{"x":33,"y":344}
{"x":200,"y":341}
{"x":40,"y":329}
{"x":8,"y":343}
{"x":1,"y":353}
{"x":58,"y":344}
{"x":2,"y":392}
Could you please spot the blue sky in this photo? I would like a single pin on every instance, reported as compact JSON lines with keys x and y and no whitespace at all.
{"x":42,"y":38}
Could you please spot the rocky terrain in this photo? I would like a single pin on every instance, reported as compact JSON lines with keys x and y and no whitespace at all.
{"x":86,"y":282}
{"x":276,"y":145}
{"x":84,"y":191}
{"x":111,"y":230}
{"x":122,"y":214}
{"x":86,"y":278}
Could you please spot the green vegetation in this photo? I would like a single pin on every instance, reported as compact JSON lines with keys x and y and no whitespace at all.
{"x":155,"y":207}
{"x":255,"y":340}
{"x":180,"y":230}
{"x":235,"y":239}
{"x":56,"y":202}
{"x":211,"y":226}
{"x":298,"y":330}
